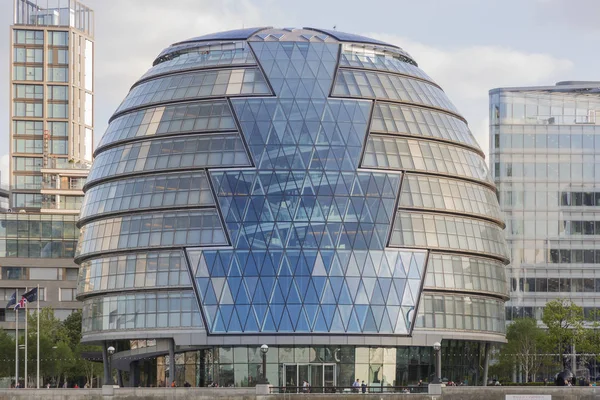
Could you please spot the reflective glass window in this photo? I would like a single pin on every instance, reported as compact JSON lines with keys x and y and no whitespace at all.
{"x":28,"y":128}
{"x":456,"y":272}
{"x":376,"y":58}
{"x":151,"y":269}
{"x":30,"y":146}
{"x":28,"y":109}
{"x":384,"y":86}
{"x":202,"y":116}
{"x":21,"y":91}
{"x":226,"y":82}
{"x":195,"y":151}
{"x":141,"y":311}
{"x":164,"y":190}
{"x":402,"y":119}
{"x":448,"y":232}
{"x":446,"y":194}
{"x":27,"y":73}
{"x":458,"y":312}
{"x":203,"y":55}
{"x":58,"y":74}
{"x":409,"y":154}
{"x":35,"y":235}
{"x":28,"y":55}
{"x":58,"y":38}
{"x":28,"y":37}
{"x":27,"y":163}
{"x":192,"y":228}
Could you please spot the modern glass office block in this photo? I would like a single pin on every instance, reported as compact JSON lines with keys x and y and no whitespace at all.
{"x":545,"y":161}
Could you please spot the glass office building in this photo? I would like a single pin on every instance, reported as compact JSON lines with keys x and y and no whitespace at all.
{"x":307,"y":189}
{"x":546,"y":164}
{"x":50,"y":136}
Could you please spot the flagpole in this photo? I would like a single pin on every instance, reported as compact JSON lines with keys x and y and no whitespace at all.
{"x":38,"y":337}
{"x":16,"y":342}
{"x":26,"y":324}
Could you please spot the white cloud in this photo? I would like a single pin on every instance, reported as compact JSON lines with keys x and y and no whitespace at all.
{"x":130,"y":34}
{"x":467,"y":74}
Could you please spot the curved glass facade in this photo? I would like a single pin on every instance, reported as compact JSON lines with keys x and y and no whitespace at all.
{"x":203,"y":56}
{"x":446,"y":194}
{"x":200,"y":116}
{"x":388,"y":152}
{"x":385,"y":86}
{"x":197,"y":85}
{"x":313,"y":186}
{"x":190,"y":152}
{"x":139,"y":270}
{"x":148,"y":192}
{"x":405,"y":120}
{"x":170,"y":310}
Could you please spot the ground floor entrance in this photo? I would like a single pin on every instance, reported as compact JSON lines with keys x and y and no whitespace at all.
{"x":382,"y":368}
{"x":320,"y":376}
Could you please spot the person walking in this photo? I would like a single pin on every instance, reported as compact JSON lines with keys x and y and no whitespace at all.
{"x":355,"y":386}
{"x":305,"y":387}
{"x":364,"y":387}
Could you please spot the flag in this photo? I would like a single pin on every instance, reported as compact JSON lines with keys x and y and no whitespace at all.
{"x":30,"y":296}
{"x":21,"y":303}
{"x":12,"y":301}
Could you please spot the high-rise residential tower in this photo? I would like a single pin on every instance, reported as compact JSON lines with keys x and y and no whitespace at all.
{"x":545,"y":158}
{"x":51,"y":138}
{"x":307,"y":189}
{"x":52,"y":95}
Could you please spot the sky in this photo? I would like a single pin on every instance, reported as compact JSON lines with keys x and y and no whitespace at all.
{"x":466,"y":46}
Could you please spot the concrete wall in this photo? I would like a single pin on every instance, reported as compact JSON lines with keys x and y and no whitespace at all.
{"x":499,"y":393}
{"x":183,"y":394}
{"x":449,"y":393}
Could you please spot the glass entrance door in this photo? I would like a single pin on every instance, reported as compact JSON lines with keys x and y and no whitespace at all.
{"x":319,"y":376}
{"x":329,"y":377}
{"x":291,"y":377}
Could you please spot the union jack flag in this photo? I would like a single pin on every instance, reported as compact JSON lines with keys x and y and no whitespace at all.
{"x":21,"y":303}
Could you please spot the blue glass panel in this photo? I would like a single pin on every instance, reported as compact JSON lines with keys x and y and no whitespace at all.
{"x":308,"y":227}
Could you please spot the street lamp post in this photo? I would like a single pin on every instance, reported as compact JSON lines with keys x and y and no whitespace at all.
{"x":111,"y":351}
{"x":263,"y":349}
{"x":438,"y":363}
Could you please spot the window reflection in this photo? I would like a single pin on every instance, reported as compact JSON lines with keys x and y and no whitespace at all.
{"x":465,"y":273}
{"x":396,"y":118}
{"x":379,"y":85}
{"x":190,"y":117}
{"x":231,"y":82}
{"x":164,"y":190}
{"x":192,"y":152}
{"x":152,"y":269}
{"x":422,"y":191}
{"x":419,"y":155}
{"x":192,"y":228}
{"x":444,"y":231}
{"x":461,"y":313}
{"x":141,"y":311}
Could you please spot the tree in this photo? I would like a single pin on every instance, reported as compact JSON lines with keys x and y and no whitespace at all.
{"x":64,"y":362}
{"x":72,"y":326}
{"x":526,"y":346}
{"x":90,"y":369}
{"x":565,"y":328}
{"x":7,"y":354}
{"x":50,"y":326}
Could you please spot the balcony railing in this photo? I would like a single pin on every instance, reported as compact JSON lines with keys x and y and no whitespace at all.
{"x":57,"y":186}
{"x":52,"y":205}
{"x":60,"y":163}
